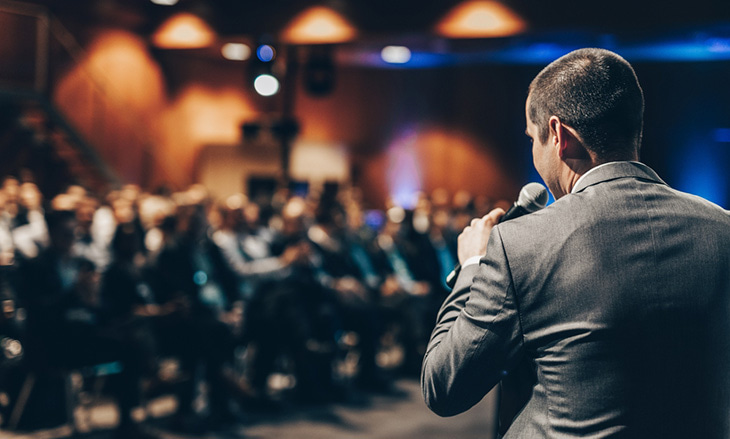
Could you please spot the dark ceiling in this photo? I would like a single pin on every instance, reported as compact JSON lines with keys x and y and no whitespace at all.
{"x":394,"y":17}
{"x":564,"y":23}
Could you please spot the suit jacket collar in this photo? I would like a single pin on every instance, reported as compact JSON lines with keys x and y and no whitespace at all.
{"x":615,"y":170}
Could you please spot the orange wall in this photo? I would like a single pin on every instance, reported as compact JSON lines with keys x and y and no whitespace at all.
{"x":115,"y":95}
{"x":446,"y":123}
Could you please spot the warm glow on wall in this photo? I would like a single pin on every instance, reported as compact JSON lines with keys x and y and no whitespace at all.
{"x":122,"y":61}
{"x":207,"y":115}
{"x":183,"y":31}
{"x":116,"y":111}
{"x":422,"y":159}
{"x":318,"y":25}
{"x":403,"y":174}
{"x":480,"y":19}
{"x":318,"y":161}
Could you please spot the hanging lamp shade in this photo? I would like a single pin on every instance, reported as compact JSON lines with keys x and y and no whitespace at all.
{"x":480,"y":19}
{"x":184,"y":31}
{"x":318,"y":25}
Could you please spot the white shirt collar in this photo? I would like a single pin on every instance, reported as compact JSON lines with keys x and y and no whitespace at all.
{"x":577,"y":183}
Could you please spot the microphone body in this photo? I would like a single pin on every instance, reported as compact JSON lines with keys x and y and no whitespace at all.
{"x":533,"y":197}
{"x":515,"y":211}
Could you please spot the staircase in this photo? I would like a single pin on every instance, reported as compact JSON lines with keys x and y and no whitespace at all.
{"x":34,"y":134}
{"x":36,"y":138}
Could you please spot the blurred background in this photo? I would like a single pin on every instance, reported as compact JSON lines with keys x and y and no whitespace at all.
{"x":395,"y":97}
{"x":335,"y":147}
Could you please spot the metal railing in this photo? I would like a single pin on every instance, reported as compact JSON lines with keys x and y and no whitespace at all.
{"x":36,"y":57}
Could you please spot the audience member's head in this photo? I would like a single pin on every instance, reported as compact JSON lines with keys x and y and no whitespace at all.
{"x":293,"y":217}
{"x":30,"y":196}
{"x":61,"y":229}
{"x":126,"y":242}
{"x":232,"y":213}
{"x":11,"y":187}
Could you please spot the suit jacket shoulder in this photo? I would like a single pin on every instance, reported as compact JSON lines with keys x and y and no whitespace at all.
{"x":621,"y":291}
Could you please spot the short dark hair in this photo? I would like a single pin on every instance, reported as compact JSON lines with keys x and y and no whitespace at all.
{"x":55,"y":218}
{"x":596,"y":92}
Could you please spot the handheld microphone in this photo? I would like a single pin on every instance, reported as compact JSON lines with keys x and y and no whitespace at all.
{"x":533,"y":197}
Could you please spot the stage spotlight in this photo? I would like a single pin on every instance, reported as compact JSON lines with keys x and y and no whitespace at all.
{"x":236,"y":51}
{"x":395,"y":54}
{"x":265,"y":53}
{"x":266,"y":85}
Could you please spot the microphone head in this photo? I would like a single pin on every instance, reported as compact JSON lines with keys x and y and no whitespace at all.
{"x":533,"y":196}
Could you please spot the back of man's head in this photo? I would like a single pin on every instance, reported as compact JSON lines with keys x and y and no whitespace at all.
{"x":595,"y":92}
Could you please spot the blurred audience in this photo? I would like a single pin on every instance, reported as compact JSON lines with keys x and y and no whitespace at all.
{"x":59,"y":290}
{"x":255,"y":301}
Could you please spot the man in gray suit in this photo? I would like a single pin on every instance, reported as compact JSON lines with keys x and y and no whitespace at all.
{"x":618,"y":293}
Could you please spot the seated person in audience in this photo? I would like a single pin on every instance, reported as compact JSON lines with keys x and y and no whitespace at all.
{"x":341,"y":278}
{"x":11,"y":192}
{"x":29,"y":227}
{"x":189,"y":276}
{"x":126,"y":301}
{"x":276,"y":320}
{"x":247,"y":252}
{"x":7,"y":246}
{"x":404,"y":300}
{"x":11,"y":329}
{"x":430,"y":251}
{"x":60,"y":294}
{"x":89,"y":245}
{"x":296,"y":313}
{"x":399,"y":299}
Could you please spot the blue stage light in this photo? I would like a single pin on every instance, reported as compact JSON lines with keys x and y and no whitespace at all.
{"x":722,"y":135}
{"x":265,"y":53}
{"x":700,"y":170}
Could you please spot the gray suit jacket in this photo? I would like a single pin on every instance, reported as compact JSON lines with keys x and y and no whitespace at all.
{"x":620,"y":295}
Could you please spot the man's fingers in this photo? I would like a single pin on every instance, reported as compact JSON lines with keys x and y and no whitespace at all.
{"x":473,"y":240}
{"x":490,"y":219}
{"x":495,"y":215}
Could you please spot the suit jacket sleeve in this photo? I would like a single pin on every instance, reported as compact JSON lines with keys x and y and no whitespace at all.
{"x":477,"y":335}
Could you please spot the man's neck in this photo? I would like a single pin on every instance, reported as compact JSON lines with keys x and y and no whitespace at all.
{"x":573,"y":170}
{"x":576,"y":168}
{"x":572,"y":188}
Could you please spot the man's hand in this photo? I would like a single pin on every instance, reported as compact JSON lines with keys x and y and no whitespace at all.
{"x":473,"y":240}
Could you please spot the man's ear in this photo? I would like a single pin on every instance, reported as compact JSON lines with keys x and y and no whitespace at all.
{"x":566,"y":140}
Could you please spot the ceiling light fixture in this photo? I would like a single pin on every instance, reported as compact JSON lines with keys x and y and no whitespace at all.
{"x":236,"y":51}
{"x":396,"y":54}
{"x":480,"y":19}
{"x":184,"y":31}
{"x":266,"y":85}
{"x":266,"y":53}
{"x":318,"y":25}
